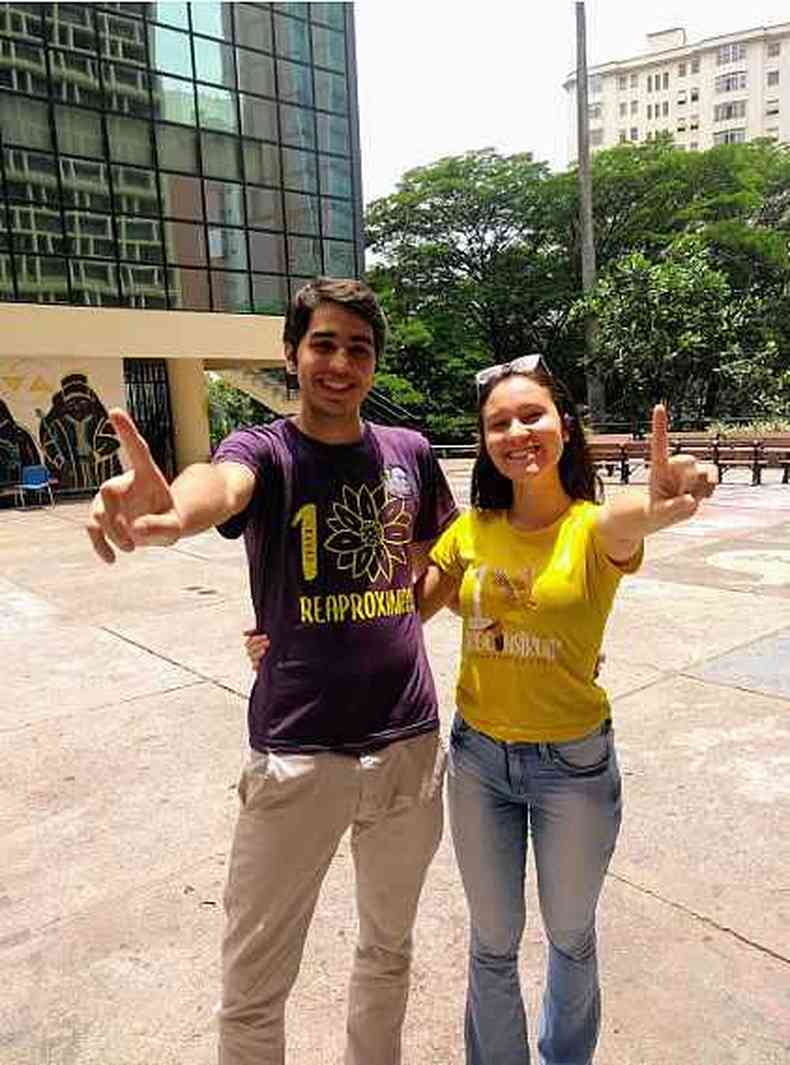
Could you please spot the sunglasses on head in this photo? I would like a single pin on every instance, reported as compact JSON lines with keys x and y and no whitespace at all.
{"x":524,"y":364}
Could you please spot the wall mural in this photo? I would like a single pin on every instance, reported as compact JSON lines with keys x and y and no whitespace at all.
{"x":76,"y":439}
{"x":17,"y":447}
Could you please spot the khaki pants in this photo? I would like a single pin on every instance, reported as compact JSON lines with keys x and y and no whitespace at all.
{"x":294,"y":811}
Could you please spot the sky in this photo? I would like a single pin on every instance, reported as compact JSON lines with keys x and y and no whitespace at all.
{"x":440,"y":77}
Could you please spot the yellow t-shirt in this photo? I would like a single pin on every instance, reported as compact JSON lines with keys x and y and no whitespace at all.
{"x":547,"y":594}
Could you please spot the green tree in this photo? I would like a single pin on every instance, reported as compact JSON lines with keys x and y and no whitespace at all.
{"x":229,"y":408}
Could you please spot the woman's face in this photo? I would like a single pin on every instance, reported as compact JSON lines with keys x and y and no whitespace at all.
{"x":524,"y":432}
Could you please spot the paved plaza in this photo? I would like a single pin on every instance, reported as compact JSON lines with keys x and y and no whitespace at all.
{"x":122,"y":721}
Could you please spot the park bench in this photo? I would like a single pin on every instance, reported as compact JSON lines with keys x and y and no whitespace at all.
{"x":627,"y":455}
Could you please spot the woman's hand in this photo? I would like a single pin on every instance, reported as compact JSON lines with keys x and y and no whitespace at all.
{"x":256,"y":644}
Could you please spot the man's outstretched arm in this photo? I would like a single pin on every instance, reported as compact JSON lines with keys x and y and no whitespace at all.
{"x":139,"y":509}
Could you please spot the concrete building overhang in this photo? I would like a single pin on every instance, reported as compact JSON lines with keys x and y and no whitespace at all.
{"x":219,"y":340}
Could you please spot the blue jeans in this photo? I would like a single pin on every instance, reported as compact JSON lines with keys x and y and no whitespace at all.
{"x":566,"y":797}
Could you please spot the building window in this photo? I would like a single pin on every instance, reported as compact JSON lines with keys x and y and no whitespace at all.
{"x":665,"y":108}
{"x":693,"y":146}
{"x":634,"y":107}
{"x":694,"y":122}
{"x":595,"y":110}
{"x":596,"y":137}
{"x":622,"y":82}
{"x":649,"y":82}
{"x":682,"y":98}
{"x":649,"y":111}
{"x":695,"y":64}
{"x":622,"y":137}
{"x":735,"y":82}
{"x":772,"y":107}
{"x":773,"y":77}
{"x":774,"y":48}
{"x":694,"y":95}
{"x":666,"y":80}
{"x":773,"y":133}
{"x":623,"y":109}
{"x":726,"y":112}
{"x":681,"y":70}
{"x":730,"y":136}
{"x":634,"y":133}
{"x":595,"y":84}
{"x":730,"y":53}
{"x":634,"y":81}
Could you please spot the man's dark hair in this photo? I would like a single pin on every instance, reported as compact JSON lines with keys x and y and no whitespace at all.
{"x":493,"y":491}
{"x":352,"y":295}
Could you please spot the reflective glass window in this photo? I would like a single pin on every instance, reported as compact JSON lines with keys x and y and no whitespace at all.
{"x":264,"y":208}
{"x":94,"y":283}
{"x":296,"y":283}
{"x":220,"y":156}
{"x":185,"y":243}
{"x":127,"y":89}
{"x":224,"y":202}
{"x":189,"y":289}
{"x":297,"y":126}
{"x":212,"y":18}
{"x":258,"y":118}
{"x":256,"y":72}
{"x":295,"y":83}
{"x":227,"y":248}
{"x":261,"y":163}
{"x":302,"y":213}
{"x":299,"y":170}
{"x":170,"y":51}
{"x":177,"y":148}
{"x":253,"y":27}
{"x":231,"y":292}
{"x":79,"y":132}
{"x":176,"y":100}
{"x":333,"y":134}
{"x":19,"y":58}
{"x":339,"y":258}
{"x":90,"y":179}
{"x":85,"y":230}
{"x":304,"y":255}
{"x":25,"y":21}
{"x":335,"y":176}
{"x":134,"y":191}
{"x":217,"y":108}
{"x":267,"y":251}
{"x":130,"y":140}
{"x":214,"y":62}
{"x":6,"y":278}
{"x":329,"y":48}
{"x":331,"y":93}
{"x":172,"y":14}
{"x":332,"y":14}
{"x":291,"y":38}
{"x":142,"y":286}
{"x":337,"y":219}
{"x":24,"y":121}
{"x":181,"y":196}
{"x":42,"y":279}
{"x":269,"y":294}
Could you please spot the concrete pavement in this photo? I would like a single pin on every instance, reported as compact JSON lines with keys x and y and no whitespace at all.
{"x":122,"y":731}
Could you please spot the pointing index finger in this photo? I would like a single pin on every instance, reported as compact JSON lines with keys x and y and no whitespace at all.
{"x":659,"y":438}
{"x":134,"y":444}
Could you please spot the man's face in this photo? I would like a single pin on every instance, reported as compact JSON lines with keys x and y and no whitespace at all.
{"x":334,"y":362}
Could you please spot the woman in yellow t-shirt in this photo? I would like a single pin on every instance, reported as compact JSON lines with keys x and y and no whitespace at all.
{"x":534,"y":567}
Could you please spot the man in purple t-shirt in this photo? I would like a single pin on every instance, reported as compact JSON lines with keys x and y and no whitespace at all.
{"x":343,"y":721}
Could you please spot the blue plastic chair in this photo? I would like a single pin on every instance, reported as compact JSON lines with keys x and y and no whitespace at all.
{"x":36,"y":479}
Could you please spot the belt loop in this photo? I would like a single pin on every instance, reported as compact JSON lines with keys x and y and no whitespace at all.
{"x":506,"y":756}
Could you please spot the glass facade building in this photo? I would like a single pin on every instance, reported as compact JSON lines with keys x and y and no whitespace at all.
{"x":177,"y":156}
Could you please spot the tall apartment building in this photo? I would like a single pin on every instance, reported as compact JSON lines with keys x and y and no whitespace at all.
{"x":716,"y":91}
{"x":170,"y":173}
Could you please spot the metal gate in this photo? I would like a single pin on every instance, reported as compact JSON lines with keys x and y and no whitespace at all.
{"x":148,"y":402}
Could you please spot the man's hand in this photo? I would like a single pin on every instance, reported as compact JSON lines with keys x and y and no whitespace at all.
{"x":136,"y":508}
{"x":256,"y":644}
{"x":677,"y":484}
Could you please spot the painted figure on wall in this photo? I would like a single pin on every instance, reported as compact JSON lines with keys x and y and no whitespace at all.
{"x":17,"y":448}
{"x":79,"y":442}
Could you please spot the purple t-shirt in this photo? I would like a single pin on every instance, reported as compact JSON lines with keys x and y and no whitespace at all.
{"x":327,"y":533}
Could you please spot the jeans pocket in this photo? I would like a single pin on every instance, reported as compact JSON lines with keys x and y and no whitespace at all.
{"x":586,"y":757}
{"x":459,"y":728}
{"x":253,"y":777}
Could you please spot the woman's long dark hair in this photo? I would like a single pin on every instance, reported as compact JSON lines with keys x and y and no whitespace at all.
{"x":492,"y":491}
